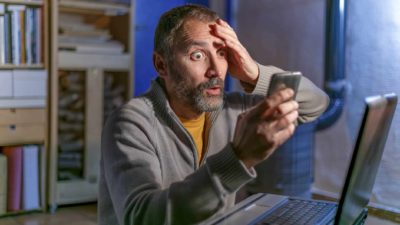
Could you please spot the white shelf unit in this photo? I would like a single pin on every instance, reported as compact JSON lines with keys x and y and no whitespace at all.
{"x":92,"y":70}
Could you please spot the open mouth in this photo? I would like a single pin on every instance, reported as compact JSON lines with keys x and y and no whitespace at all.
{"x":216,"y":90}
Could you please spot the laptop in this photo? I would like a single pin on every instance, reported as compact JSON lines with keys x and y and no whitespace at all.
{"x":274,"y":209}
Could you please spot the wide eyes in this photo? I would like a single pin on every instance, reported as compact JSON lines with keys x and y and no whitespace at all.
{"x":200,"y":55}
{"x":222,"y":53}
{"x":197,"y":55}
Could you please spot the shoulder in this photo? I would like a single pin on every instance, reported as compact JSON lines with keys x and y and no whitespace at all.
{"x":136,"y":111}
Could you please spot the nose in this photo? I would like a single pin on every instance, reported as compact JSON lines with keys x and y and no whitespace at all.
{"x":215,"y":67}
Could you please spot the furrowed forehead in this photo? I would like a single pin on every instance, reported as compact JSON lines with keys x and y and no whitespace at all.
{"x":196,"y":33}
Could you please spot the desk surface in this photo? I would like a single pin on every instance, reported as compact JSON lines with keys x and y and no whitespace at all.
{"x":372,"y":220}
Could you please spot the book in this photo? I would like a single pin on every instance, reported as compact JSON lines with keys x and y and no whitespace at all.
{"x":70,"y":146}
{"x":30,"y":177}
{"x":6,"y":84}
{"x":110,"y":47}
{"x":2,"y":41}
{"x":43,"y":170}
{"x":77,"y":31}
{"x":7,"y":41}
{"x":71,"y":39}
{"x":3,"y":184}
{"x":16,"y":32}
{"x":28,"y":35}
{"x":125,"y":2}
{"x":38,"y":35}
{"x":22,"y":37}
{"x":70,"y":160}
{"x":2,"y":35}
{"x":14,"y":177}
{"x":77,"y":34}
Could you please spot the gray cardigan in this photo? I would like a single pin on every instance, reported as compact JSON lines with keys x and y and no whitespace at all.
{"x":149,"y":170}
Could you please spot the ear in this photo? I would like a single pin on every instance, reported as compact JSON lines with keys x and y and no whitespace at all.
{"x":160,"y":65}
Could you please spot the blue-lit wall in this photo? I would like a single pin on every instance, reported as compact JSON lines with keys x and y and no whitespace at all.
{"x":147,"y":13}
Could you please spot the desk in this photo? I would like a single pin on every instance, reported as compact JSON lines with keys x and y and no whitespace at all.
{"x":372,"y":220}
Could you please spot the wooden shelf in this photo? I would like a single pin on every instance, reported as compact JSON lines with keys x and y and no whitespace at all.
{"x":23,"y":2}
{"x":94,"y":70}
{"x":22,"y":66}
{"x":76,"y":191}
{"x":20,"y":212}
{"x":68,"y":60}
{"x":86,"y":7}
{"x":22,"y":103}
{"x":26,"y":130}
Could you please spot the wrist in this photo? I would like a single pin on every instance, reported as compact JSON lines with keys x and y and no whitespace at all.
{"x":253,"y":74}
{"x":248,"y":162}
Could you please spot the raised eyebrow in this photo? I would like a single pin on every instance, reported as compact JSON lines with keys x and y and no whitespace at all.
{"x":219,"y":45}
{"x":189,"y":44}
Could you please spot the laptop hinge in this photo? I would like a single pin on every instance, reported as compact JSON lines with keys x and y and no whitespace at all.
{"x":362,"y":217}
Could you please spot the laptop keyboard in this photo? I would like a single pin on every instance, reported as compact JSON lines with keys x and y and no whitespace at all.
{"x":298,"y":212}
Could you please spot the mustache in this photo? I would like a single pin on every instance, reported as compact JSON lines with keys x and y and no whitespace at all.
{"x":215,"y":81}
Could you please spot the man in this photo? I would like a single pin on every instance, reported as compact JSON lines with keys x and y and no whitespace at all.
{"x":178,"y":154}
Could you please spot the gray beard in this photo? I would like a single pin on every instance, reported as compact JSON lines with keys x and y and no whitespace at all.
{"x":195,"y":96}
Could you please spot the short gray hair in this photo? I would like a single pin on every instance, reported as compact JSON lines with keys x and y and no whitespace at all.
{"x":172,"y":21}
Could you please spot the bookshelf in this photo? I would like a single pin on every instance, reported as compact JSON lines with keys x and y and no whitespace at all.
{"x":9,"y":66}
{"x":25,"y":2}
{"x":91,"y":73}
{"x":23,"y":105}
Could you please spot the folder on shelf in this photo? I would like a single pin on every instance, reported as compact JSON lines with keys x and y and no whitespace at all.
{"x":23,"y":88}
{"x":14,"y":172}
{"x":3,"y":184}
{"x":2,"y":35}
{"x":30,"y":83}
{"x":30,"y":177}
{"x":6,"y":84}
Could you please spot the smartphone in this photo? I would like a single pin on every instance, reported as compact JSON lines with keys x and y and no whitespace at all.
{"x":284,"y":80}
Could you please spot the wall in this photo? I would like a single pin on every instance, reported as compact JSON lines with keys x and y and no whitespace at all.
{"x":290,"y":34}
{"x":373,"y":67}
{"x":288,"y":37}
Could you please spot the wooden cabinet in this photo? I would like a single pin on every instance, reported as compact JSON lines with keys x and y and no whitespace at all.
{"x":91,"y":63}
{"x":22,"y":126}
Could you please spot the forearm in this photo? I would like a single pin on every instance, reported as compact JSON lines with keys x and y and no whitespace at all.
{"x":263,"y":80}
{"x":205,"y":192}
{"x":312,"y":101}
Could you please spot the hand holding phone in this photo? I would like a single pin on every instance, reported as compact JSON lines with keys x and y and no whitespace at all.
{"x":283,"y":80}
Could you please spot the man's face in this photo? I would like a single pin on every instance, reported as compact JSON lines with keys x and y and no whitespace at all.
{"x":198,"y":68}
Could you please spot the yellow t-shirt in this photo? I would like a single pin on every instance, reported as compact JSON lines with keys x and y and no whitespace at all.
{"x":195,"y":128}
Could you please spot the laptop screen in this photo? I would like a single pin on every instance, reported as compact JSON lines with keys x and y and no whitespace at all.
{"x":366,"y":157}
